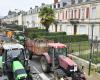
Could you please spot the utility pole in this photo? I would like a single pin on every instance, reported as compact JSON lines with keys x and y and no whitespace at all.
{"x":91,"y":50}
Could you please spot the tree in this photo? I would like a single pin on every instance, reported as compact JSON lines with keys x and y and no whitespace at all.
{"x":47,"y":16}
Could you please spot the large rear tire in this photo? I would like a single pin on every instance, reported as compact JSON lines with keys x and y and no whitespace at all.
{"x":44,"y":64}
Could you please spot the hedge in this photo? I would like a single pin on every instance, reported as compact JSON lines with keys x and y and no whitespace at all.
{"x":15,"y":27}
{"x":95,"y":57}
{"x":67,"y":38}
{"x":56,"y":36}
{"x":28,"y":30}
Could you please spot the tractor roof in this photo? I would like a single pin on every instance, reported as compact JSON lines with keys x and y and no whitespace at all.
{"x":56,"y":45}
{"x":9,"y":46}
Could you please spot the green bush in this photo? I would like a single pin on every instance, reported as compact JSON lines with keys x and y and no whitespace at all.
{"x":15,"y":27}
{"x":67,"y":38}
{"x":95,"y":57}
{"x":35,"y":30}
{"x":56,"y":36}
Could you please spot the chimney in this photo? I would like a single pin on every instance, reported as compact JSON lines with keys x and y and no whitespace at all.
{"x":43,"y":4}
{"x":55,"y":1}
{"x":36,"y":6}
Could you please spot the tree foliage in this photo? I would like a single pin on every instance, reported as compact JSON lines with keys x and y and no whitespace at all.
{"x":47,"y":16}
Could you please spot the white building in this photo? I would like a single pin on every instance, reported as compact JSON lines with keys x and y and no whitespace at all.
{"x":86,"y":12}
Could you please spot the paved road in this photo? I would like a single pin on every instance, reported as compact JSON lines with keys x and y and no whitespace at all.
{"x":36,"y":68}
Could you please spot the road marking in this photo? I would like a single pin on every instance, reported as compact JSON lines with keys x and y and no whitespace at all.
{"x":43,"y":76}
{"x":36,"y":70}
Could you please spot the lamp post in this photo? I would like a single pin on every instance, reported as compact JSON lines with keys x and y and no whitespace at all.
{"x":91,"y":51}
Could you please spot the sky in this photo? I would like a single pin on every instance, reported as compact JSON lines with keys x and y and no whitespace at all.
{"x":6,"y":5}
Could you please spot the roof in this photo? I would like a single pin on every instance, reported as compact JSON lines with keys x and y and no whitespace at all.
{"x":8,"y":46}
{"x":56,"y":45}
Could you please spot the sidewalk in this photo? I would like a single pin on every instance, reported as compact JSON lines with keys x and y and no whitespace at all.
{"x":94,"y":75}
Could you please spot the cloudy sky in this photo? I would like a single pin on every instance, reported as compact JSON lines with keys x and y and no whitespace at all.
{"x":6,"y":5}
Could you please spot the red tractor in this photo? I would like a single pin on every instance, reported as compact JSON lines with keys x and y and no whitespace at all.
{"x":57,"y":60}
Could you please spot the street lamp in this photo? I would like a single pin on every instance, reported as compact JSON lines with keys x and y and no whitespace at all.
{"x":90,"y":56}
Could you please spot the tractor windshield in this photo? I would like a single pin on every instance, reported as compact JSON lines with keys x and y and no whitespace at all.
{"x":11,"y":54}
{"x":61,"y":51}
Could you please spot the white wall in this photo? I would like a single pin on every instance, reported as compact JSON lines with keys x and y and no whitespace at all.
{"x":82,"y":29}
{"x":96,"y":31}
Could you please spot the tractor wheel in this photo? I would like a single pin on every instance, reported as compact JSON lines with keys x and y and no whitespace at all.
{"x":44,"y":64}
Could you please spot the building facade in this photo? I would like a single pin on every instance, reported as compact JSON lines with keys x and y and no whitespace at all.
{"x":83,"y":13}
{"x":68,"y":13}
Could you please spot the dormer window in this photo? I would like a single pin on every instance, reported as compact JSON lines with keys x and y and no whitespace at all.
{"x":72,"y":1}
{"x":58,"y":5}
{"x":80,"y":1}
{"x":64,"y":4}
{"x":54,"y":5}
{"x":87,"y":0}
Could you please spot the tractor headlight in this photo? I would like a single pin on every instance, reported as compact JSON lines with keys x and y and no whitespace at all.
{"x":3,"y":62}
{"x":73,"y":68}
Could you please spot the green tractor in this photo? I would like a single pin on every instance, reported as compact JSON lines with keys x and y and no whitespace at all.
{"x":14,"y":62}
{"x":20,"y":37}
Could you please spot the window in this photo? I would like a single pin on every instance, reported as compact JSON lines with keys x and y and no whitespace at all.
{"x":58,"y":5}
{"x":82,"y":29}
{"x":66,"y":14}
{"x":54,"y":6}
{"x":61,"y":51}
{"x":64,"y":4}
{"x":87,"y":12}
{"x":87,"y":0}
{"x":75,"y":13}
{"x":63,"y":15}
{"x":80,"y":1}
{"x":72,"y":1}
{"x":72,"y":14}
{"x":82,"y":13}
{"x":93,"y":13}
{"x":79,"y":14}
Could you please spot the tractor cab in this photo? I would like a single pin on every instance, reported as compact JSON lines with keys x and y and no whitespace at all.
{"x":55,"y":50}
{"x":15,"y":61}
{"x":14,"y":51}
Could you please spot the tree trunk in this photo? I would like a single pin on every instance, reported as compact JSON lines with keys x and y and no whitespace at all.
{"x":47,"y":28}
{"x":75,"y":29}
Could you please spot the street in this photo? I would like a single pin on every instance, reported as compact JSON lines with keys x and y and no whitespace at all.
{"x":36,"y":68}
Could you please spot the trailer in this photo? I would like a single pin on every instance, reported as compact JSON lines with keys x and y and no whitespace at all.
{"x":37,"y":47}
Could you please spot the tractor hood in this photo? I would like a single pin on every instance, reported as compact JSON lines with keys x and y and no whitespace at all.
{"x":1,"y":62}
{"x":19,"y":70}
{"x":66,"y":61}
